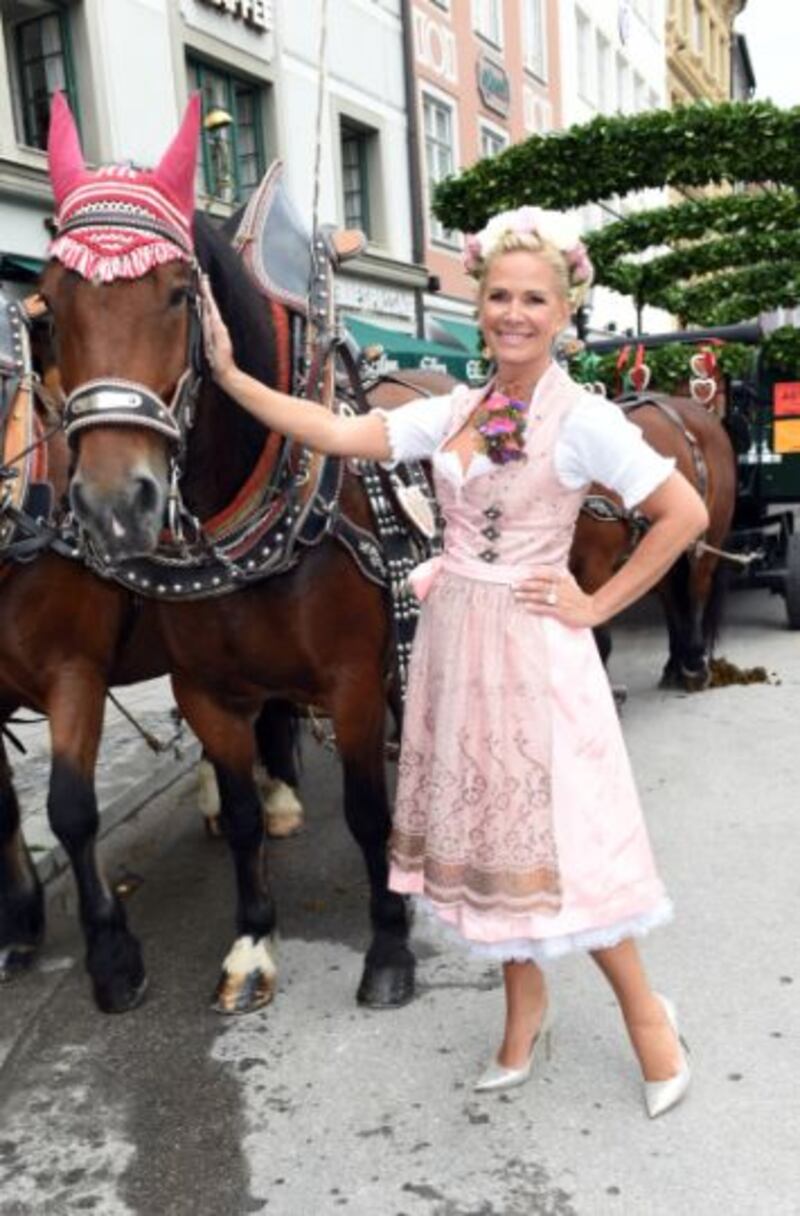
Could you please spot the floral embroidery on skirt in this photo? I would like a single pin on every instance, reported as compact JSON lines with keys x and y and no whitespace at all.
{"x":474,"y":805}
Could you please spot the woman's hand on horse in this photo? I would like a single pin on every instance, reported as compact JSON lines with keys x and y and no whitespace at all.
{"x":555,"y":593}
{"x":216,"y":339}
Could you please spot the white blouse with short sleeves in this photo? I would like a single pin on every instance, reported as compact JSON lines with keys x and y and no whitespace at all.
{"x":596,"y":443}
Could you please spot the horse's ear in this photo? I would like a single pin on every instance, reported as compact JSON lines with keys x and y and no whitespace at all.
{"x":64,"y":155}
{"x":177,"y":166}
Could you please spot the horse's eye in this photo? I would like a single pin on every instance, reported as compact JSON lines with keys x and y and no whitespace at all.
{"x":178,"y":296}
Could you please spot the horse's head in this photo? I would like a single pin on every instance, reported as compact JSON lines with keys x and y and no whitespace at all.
{"x":121,"y":287}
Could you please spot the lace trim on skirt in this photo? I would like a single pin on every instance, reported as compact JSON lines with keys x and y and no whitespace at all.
{"x":546,"y":950}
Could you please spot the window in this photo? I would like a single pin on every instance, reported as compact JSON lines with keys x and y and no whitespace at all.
{"x":41,"y":64}
{"x":492,"y":141}
{"x":605,"y":84}
{"x":535,"y":36}
{"x":487,"y":18}
{"x":355,"y":176}
{"x":232,"y":161}
{"x":584,"y":56}
{"x":537,"y":114}
{"x":439,"y":155}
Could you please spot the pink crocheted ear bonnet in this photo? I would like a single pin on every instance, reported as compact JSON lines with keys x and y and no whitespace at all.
{"x":117,"y":222}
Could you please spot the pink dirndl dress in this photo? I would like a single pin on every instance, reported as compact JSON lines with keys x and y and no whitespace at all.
{"x":517,"y":820}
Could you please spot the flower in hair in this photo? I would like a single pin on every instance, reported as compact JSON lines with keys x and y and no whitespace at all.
{"x":556,"y":228}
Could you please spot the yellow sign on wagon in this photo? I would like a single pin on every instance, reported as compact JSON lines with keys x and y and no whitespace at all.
{"x":786,"y":435}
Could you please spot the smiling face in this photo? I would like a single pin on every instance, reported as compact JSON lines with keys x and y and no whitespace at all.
{"x":523,"y":307}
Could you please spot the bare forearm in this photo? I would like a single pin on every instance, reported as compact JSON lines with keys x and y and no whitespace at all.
{"x":654,"y":555}
{"x":307,"y":422}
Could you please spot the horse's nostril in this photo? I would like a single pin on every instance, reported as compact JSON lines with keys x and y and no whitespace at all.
{"x":146,"y":498}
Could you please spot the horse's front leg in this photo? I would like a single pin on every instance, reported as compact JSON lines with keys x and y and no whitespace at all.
{"x":248,"y":974}
{"x":113,"y":955}
{"x":359,"y":711}
{"x":21,"y":897}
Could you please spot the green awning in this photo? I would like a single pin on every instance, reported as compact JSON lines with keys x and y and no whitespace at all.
{"x":466,"y":332}
{"x":409,"y":351}
{"x":17,"y":267}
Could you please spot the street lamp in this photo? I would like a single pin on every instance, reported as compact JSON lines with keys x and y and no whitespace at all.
{"x":218,"y":123}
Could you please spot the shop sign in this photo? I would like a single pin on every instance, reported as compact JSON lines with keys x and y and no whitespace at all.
{"x":494,"y":86}
{"x":392,"y":302}
{"x":255,"y":13}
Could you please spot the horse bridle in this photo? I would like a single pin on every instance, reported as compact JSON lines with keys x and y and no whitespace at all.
{"x":113,"y":402}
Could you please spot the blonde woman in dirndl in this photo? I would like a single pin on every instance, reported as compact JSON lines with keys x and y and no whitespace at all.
{"x":517,"y":822}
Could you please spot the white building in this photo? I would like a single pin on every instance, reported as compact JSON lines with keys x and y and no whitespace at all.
{"x":613,"y":56}
{"x":128,"y":67}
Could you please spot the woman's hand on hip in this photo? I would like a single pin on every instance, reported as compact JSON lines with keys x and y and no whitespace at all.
{"x":555,"y":593}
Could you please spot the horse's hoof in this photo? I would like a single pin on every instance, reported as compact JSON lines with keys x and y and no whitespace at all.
{"x":670,"y":678}
{"x":387,"y":986}
{"x":16,"y":961}
{"x":114,"y":962}
{"x":283,"y":811}
{"x":248,"y":978}
{"x":121,"y":996}
{"x":279,"y":827}
{"x":696,"y":681}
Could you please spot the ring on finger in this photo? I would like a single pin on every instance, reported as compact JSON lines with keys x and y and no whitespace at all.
{"x":552,"y":597}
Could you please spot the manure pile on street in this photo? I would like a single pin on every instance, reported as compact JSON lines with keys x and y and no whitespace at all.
{"x":725,"y":673}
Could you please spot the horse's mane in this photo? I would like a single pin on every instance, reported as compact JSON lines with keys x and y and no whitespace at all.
{"x":227,"y":440}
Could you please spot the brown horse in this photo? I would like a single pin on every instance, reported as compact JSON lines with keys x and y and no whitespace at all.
{"x":65,"y":637}
{"x":318,"y":633}
{"x":691,"y":592}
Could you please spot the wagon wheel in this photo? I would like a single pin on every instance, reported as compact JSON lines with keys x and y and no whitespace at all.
{"x":792,"y":586}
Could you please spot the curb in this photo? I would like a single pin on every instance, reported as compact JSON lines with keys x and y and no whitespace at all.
{"x":166,"y":772}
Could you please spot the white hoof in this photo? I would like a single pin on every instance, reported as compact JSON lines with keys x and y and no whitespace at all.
{"x":283,"y":811}
{"x":248,"y":977}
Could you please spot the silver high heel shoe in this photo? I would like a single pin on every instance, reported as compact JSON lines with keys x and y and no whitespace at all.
{"x":496,"y":1076}
{"x":661,"y":1096}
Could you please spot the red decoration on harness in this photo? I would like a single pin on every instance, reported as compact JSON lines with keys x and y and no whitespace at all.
{"x":704,"y":384}
{"x":639,"y":375}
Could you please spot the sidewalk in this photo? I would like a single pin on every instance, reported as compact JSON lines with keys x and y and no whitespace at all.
{"x":129,"y":772}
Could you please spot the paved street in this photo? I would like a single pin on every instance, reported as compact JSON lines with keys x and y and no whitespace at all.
{"x":315,"y":1106}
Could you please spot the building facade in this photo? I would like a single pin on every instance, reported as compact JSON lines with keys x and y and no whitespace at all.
{"x":700,"y":49}
{"x":614,"y":62}
{"x":128,"y":68}
{"x":483,"y":74}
